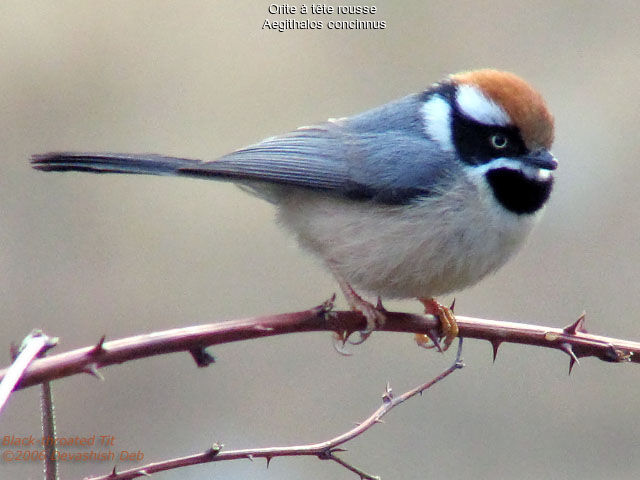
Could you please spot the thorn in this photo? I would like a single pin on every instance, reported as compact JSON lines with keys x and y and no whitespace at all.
{"x":495,"y":345}
{"x":453,"y":304}
{"x":379,"y":305}
{"x":114,"y":472}
{"x":572,"y":362}
{"x":568,"y":349}
{"x":250,"y":457}
{"x":325,"y":306}
{"x":14,"y":351}
{"x":215,"y":449}
{"x":268,"y":460}
{"x":202,"y":357}
{"x":144,"y":473}
{"x":378,"y":420}
{"x":98,"y":348}
{"x":92,"y":369}
{"x":388,"y":394}
{"x":338,"y":450}
{"x":577,"y":326}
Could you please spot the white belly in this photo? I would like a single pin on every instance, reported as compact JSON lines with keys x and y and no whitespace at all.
{"x":424,"y":250}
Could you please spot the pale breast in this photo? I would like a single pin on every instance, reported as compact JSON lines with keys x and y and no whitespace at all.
{"x":436,"y":246}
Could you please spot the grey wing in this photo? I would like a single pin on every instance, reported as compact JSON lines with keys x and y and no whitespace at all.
{"x":310,"y":157}
{"x":392,"y":167}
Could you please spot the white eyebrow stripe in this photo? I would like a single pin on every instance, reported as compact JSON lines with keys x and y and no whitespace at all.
{"x":436,"y":116}
{"x":474,"y":104}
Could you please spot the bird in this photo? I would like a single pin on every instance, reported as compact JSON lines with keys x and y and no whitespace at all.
{"x":419,"y":197}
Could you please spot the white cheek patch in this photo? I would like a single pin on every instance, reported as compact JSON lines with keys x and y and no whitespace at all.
{"x":436,"y":115}
{"x":475,"y":105}
{"x":477,"y":172}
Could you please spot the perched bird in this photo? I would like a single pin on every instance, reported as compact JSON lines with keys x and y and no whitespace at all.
{"x":419,"y":197}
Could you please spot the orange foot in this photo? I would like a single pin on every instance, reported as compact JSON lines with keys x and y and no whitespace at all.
{"x":448,"y":324}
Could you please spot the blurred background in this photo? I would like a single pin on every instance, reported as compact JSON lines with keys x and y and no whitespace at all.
{"x":84,"y":255}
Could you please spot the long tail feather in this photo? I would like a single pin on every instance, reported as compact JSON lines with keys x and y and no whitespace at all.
{"x":149,"y":164}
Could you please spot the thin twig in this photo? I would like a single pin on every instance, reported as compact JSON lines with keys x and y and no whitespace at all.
{"x":49,"y":433}
{"x":324,"y":450}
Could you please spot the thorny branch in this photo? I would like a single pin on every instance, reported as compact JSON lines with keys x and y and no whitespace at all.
{"x":572,"y":340}
{"x":324,"y":450}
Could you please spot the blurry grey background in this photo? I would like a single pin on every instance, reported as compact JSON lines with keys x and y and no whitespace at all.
{"x":85,"y":255}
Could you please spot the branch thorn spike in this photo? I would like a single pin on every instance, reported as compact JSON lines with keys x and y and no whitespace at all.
{"x":268,"y":460}
{"x":380,"y":306}
{"x":325,"y":306}
{"x":144,"y":473}
{"x":568,"y":349}
{"x":202,"y":357}
{"x":98,"y":348}
{"x":495,"y":345}
{"x":92,"y":369}
{"x":572,"y":362}
{"x":453,"y":304}
{"x":13,"y":352}
{"x":388,"y":394}
{"x":577,"y":326}
{"x":215,"y":449}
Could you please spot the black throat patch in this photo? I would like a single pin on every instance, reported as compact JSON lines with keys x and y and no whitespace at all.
{"x":517,"y":192}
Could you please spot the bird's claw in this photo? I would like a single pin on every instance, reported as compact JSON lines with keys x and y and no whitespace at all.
{"x":448,"y":325}
{"x":375,"y":316}
{"x":339,"y":341}
{"x":429,"y":340}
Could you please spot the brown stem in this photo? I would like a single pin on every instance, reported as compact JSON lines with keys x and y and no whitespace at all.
{"x":572,"y":340}
{"x":324,"y":450}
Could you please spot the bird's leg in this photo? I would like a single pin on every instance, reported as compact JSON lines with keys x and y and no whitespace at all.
{"x":375,"y":315}
{"x":447,"y":320}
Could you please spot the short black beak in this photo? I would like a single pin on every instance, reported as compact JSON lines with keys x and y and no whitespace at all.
{"x":541,"y":159}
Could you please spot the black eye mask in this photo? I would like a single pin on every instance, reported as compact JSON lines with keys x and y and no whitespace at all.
{"x":473,"y":140}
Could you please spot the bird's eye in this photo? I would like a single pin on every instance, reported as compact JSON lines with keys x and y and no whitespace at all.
{"x":499,"y":141}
